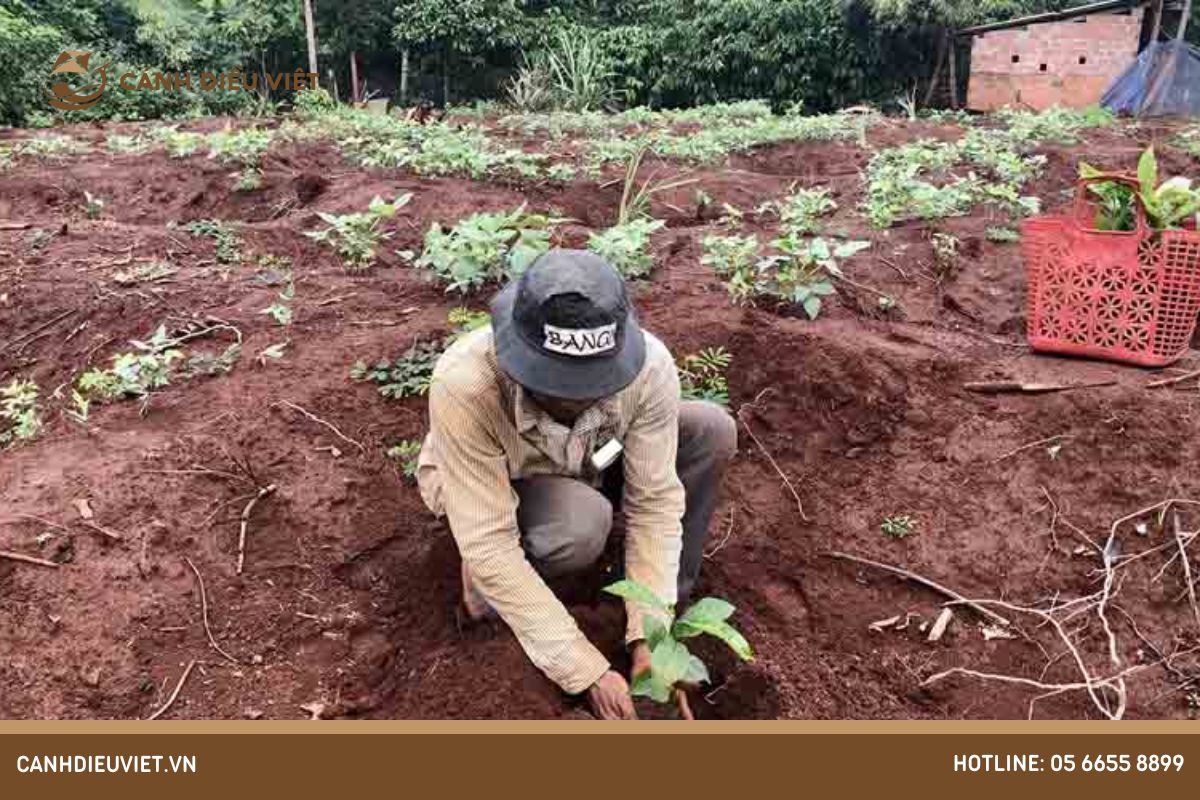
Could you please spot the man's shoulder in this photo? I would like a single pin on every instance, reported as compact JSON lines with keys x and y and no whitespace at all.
{"x":658,"y":356}
{"x":468,"y":366}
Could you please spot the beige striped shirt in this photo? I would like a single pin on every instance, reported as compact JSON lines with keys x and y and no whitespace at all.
{"x":485,"y":433}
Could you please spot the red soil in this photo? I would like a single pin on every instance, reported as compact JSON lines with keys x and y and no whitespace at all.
{"x":349,"y":589}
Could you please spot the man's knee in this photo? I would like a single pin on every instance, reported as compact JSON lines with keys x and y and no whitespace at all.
{"x":564,"y":524}
{"x":707,"y":428}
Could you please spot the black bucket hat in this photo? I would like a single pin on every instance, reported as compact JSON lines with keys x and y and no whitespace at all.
{"x":566,"y":329}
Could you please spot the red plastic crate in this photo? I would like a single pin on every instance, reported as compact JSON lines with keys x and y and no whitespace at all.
{"x":1129,"y":296}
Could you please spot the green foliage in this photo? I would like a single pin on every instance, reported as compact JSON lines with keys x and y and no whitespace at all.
{"x":356,"y":236}
{"x":409,"y":375}
{"x":899,"y":526}
{"x":179,"y":144}
{"x":488,"y":246}
{"x":800,"y":210}
{"x":529,"y":89}
{"x":205,"y":364}
{"x":137,"y":144}
{"x":311,"y":102}
{"x":1168,"y":204}
{"x":627,"y":246}
{"x":799,"y":273}
{"x":464,"y":320}
{"x":702,"y":376}
{"x":578,"y":71}
{"x":671,"y":662}
{"x":227,"y":241}
{"x":19,"y":417}
{"x":29,"y":48}
{"x":1002,"y":235}
{"x":405,"y":453}
{"x":135,"y":373}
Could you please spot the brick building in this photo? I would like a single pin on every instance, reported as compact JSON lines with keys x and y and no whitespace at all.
{"x":1065,"y":58}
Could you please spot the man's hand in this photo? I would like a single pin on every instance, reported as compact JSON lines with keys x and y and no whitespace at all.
{"x":610,"y":698}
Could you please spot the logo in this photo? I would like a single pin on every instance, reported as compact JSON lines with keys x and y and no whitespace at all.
{"x":66,"y":97}
{"x":581,"y":341}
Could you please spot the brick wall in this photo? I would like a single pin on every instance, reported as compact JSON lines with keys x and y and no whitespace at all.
{"x":1067,"y":63}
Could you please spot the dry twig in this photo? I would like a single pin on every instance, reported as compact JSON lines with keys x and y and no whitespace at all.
{"x":921,"y":579}
{"x":41,"y":562}
{"x":262,"y":492}
{"x":171,"y":700}
{"x":770,"y":458}
{"x":317,"y":419}
{"x":1187,"y":568}
{"x":204,"y":612}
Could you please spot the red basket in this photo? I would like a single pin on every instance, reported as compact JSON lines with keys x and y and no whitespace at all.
{"x":1129,"y":296}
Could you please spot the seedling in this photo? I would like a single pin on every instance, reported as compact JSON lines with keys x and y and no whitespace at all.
{"x":671,"y":663}
{"x":135,"y":373}
{"x":635,"y":197}
{"x":1167,"y":205}
{"x":464,"y":320}
{"x":19,"y":417}
{"x":702,"y":376}
{"x":206,"y":364}
{"x":281,"y":309}
{"x":626,"y":246}
{"x":228,"y":244}
{"x":799,"y":211}
{"x":93,"y":206}
{"x":356,"y":236}
{"x":899,"y":526}
{"x":272,"y":352}
{"x":405,"y":453}
{"x":800,"y":274}
{"x":408,"y":376}
{"x":485,"y":247}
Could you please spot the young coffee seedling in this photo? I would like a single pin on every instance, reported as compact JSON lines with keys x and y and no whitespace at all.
{"x":19,"y":418}
{"x":799,"y":211}
{"x":227,"y":242}
{"x":485,"y":247}
{"x":464,"y":320}
{"x":702,"y":376}
{"x":408,"y":376}
{"x":355,"y":236}
{"x":899,"y":526}
{"x":733,"y":258}
{"x":135,"y":373}
{"x":1170,"y":204}
{"x":800,"y":273}
{"x":626,"y":246}
{"x":281,"y":309}
{"x":405,"y":453}
{"x":671,"y":663}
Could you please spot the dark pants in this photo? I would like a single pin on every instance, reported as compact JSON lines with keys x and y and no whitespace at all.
{"x":565,"y":523}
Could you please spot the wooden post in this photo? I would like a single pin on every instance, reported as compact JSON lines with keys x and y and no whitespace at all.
{"x":311,"y":32}
{"x":354,"y":95}
{"x":446,"y":78}
{"x":952,"y":54}
{"x":404,"y":77}
{"x":1183,"y":19}
{"x":1158,"y":14}
{"x":937,"y":71}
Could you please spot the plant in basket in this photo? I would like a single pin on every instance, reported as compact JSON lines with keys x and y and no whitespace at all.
{"x":1170,"y":204}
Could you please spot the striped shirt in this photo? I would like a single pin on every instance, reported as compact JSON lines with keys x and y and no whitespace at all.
{"x":485,"y":432}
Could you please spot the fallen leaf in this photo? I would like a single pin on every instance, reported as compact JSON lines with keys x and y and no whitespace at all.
{"x":884,"y":623}
{"x":83,"y":507}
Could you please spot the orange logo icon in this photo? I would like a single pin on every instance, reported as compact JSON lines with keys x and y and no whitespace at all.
{"x":66,"y":97}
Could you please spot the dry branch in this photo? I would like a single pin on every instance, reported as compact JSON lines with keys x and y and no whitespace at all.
{"x":317,"y":419}
{"x":921,"y":579}
{"x":771,"y":460}
{"x":171,"y":700}
{"x":41,"y":562}
{"x":204,"y":613}
{"x":262,"y":492}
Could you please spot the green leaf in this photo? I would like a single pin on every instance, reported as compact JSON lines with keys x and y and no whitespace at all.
{"x":812,"y":306}
{"x":669,"y":662}
{"x":696,"y":672}
{"x":1148,"y":172}
{"x":709,"y":609}
{"x":819,"y":249}
{"x":643,"y":685}
{"x":654,"y":629}
{"x":721,"y":630}
{"x":632,"y":590}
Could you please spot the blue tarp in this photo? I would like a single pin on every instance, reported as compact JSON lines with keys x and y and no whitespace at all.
{"x":1165,"y":80}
